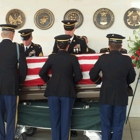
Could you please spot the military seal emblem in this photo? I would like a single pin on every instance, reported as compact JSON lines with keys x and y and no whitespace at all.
{"x":44,"y":19}
{"x":103,"y":18}
{"x":132,"y":18}
{"x":15,"y":17}
{"x":74,"y":14}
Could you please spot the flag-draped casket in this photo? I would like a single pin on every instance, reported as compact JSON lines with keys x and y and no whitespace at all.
{"x":38,"y":109}
{"x":86,"y":61}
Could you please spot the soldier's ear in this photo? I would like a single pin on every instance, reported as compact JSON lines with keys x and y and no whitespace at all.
{"x":120,"y":47}
{"x":2,"y":35}
{"x":67,"y":47}
{"x":58,"y":46}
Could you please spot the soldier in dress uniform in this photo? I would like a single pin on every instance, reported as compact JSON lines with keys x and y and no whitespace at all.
{"x":10,"y":80}
{"x":77,"y":44}
{"x":60,"y":88}
{"x":104,"y":50}
{"x":118,"y":73}
{"x":30,"y":48}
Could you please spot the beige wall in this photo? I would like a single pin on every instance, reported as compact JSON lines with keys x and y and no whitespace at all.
{"x":97,"y":37}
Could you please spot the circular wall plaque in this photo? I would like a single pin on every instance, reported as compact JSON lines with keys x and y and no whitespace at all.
{"x":15,"y":17}
{"x":44,"y":19}
{"x":74,"y":14}
{"x":103,"y":18}
{"x":132,"y":18}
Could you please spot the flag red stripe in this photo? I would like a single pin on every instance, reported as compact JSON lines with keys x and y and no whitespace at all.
{"x":32,"y":60}
{"x":86,"y":67}
{"x":85,"y":81}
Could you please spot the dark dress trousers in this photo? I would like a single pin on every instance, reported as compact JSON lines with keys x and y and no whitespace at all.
{"x":60,"y":90}
{"x":33,"y":50}
{"x":10,"y":79}
{"x":77,"y":46}
{"x":118,"y":73}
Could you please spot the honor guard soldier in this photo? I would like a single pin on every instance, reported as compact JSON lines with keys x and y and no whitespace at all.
{"x":60,"y":89}
{"x":104,"y":50}
{"x":30,"y":48}
{"x":10,"y":79}
{"x":77,"y":44}
{"x":118,"y":73}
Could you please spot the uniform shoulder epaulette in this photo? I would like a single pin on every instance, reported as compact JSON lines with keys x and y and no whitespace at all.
{"x":21,"y":44}
{"x":123,"y":50}
{"x":72,"y":54}
{"x":52,"y":53}
{"x":104,"y":49}
{"x":36,"y":44}
{"x":17,"y":43}
{"x":80,"y":37}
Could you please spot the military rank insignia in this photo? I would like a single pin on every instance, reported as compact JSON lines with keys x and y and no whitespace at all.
{"x":44,"y":19}
{"x":16,"y":17}
{"x":74,"y":14}
{"x":132,"y":18}
{"x":103,"y":18}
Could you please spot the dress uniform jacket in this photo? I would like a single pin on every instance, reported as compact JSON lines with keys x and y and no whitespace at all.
{"x":10,"y":78}
{"x":62,"y":83}
{"x":33,"y":50}
{"x":77,"y":46}
{"x":118,"y":73}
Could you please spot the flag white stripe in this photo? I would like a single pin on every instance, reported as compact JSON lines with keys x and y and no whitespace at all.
{"x":35,"y":65}
{"x":87,"y":61}
{"x":86,"y":75}
{"x":95,"y":54}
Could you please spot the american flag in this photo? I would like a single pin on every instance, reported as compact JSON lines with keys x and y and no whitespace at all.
{"x":86,"y":61}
